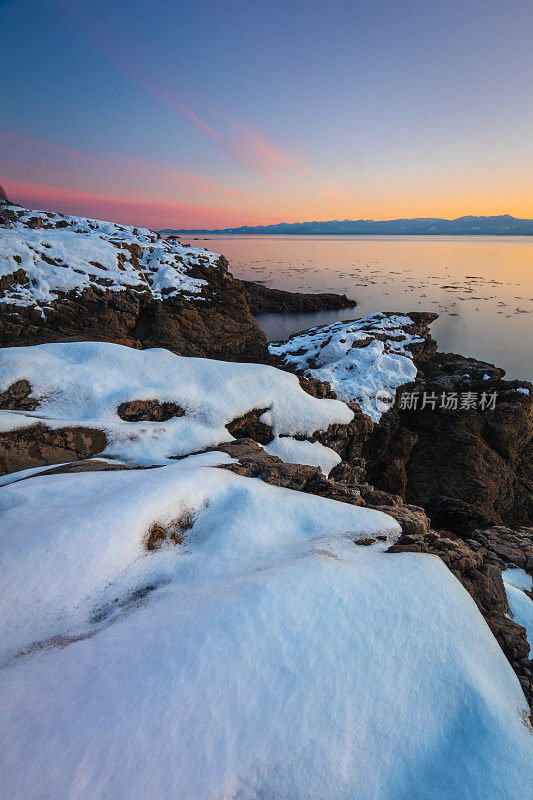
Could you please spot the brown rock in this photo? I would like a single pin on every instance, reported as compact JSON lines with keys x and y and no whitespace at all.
{"x":262,"y":300}
{"x":249,"y":426}
{"x":469,"y":468}
{"x":39,"y":446}
{"x":15,"y":398}
{"x":148,"y":411}
{"x":412,"y":519}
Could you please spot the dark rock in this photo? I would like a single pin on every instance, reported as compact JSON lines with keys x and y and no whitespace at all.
{"x":375,"y":497}
{"x":349,"y":439}
{"x":83,"y":465}
{"x":15,"y":398}
{"x":148,"y":411}
{"x":316,"y":388}
{"x":506,"y":546}
{"x":220,"y":328}
{"x":469,"y":468}
{"x":262,"y":300}
{"x":254,"y":462}
{"x":249,"y":426}
{"x":411,"y":519}
{"x":39,"y":446}
{"x":511,"y":637}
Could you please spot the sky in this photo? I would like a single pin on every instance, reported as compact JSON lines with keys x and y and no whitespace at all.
{"x":219,"y":114}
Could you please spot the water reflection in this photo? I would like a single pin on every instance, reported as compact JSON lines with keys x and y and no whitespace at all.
{"x":482,"y":287}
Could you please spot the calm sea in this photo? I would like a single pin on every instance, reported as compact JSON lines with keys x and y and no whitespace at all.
{"x":482,"y":287}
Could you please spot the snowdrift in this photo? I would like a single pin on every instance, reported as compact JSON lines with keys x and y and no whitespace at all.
{"x":84,"y":383}
{"x":266,"y":656}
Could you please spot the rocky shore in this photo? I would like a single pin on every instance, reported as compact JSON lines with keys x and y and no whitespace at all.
{"x":144,"y":291}
{"x":358,"y":440}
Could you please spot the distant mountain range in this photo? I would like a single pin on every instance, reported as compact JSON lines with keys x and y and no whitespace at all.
{"x":503,"y":225}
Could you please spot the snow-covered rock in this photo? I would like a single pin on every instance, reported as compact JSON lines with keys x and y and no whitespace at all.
{"x":71,"y":277}
{"x":83,"y":384}
{"x":60,"y":253}
{"x":365,"y":361}
{"x":266,"y":656}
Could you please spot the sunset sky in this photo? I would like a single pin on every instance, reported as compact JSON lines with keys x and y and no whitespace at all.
{"x":216,"y":114}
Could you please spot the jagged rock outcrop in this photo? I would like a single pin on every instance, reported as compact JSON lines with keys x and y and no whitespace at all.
{"x":364,"y":360}
{"x":69,"y":278}
{"x":469,"y":467}
{"x":455,"y":439}
{"x":253,"y":462}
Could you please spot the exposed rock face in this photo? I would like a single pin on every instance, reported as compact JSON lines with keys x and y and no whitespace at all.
{"x":413,"y":519}
{"x":468,"y":467}
{"x":316,"y":388}
{"x":39,"y":446}
{"x":72,"y":278}
{"x":478,"y":563}
{"x":262,"y":300}
{"x":249,"y":426}
{"x":15,"y":398}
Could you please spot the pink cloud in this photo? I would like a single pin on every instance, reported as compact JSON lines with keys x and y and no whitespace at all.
{"x":150,"y":213}
{"x":19,"y":146}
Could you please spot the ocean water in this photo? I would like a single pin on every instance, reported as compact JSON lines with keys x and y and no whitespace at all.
{"x":482,"y":287}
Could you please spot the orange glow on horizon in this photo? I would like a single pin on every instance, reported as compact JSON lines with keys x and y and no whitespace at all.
{"x":159,"y":212}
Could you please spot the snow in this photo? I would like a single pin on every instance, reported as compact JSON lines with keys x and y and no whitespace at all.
{"x":272,"y":658}
{"x":514,"y":576}
{"x":298,"y":452}
{"x":84,"y":383}
{"x":83,"y":253}
{"x":521,"y":608}
{"x":515,"y":581}
{"x":363,"y":360}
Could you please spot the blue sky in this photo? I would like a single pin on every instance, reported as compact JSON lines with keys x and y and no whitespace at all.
{"x":226,"y":113}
